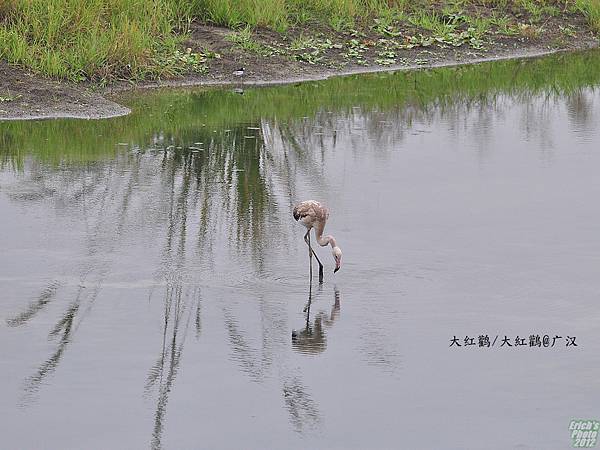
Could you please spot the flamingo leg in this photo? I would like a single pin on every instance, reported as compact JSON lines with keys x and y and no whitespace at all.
{"x":307,"y":240}
{"x":311,"y":252}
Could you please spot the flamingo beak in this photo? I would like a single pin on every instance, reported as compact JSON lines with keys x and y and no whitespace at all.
{"x":336,"y":269}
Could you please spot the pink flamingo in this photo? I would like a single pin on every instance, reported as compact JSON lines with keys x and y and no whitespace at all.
{"x":313,"y":214}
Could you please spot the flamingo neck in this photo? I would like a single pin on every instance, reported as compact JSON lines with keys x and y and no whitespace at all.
{"x":324,"y":240}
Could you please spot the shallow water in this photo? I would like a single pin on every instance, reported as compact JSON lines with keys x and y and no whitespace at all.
{"x":152,"y":274}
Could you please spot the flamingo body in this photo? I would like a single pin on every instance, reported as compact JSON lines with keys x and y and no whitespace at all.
{"x":313,"y":214}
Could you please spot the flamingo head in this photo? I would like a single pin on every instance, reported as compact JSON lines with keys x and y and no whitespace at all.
{"x":337,"y":256}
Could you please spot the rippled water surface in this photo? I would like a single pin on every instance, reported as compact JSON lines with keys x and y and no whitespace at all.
{"x":152,"y":274}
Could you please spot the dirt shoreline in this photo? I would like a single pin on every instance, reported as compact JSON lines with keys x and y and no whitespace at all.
{"x":24,"y":96}
{"x":326,"y":74}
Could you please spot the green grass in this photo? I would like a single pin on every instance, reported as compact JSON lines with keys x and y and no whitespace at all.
{"x":244,"y":40}
{"x":281,"y":14}
{"x":237,"y":13}
{"x":93,"y":39}
{"x":538,"y":9}
{"x":344,"y":15}
{"x":431,"y":21}
{"x":8,"y":97}
{"x":590,"y":9}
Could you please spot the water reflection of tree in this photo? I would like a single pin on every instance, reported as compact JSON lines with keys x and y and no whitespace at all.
{"x":46,"y":296}
{"x":162,"y":374}
{"x":302,"y":409}
{"x":63,"y":329}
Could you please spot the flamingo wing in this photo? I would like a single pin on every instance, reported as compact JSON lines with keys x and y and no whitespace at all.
{"x":309,"y":212}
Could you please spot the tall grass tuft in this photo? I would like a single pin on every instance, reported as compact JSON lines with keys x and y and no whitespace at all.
{"x":280,"y":14}
{"x":235,"y":13}
{"x":591,"y":9}
{"x":89,"y":39}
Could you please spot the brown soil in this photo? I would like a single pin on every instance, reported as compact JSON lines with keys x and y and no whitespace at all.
{"x":25,"y":96}
{"x":285,"y":68}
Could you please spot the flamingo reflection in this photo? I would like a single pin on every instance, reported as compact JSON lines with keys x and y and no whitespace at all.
{"x":312,"y":338}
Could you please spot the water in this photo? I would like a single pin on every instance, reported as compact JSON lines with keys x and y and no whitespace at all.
{"x":152,"y":274}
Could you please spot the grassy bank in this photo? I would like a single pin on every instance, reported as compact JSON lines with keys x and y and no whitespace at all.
{"x":142,"y":39}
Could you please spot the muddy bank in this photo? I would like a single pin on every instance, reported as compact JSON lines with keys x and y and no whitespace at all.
{"x":276,"y":59}
{"x":26,"y":96}
{"x":298,"y":76}
{"x":296,"y":56}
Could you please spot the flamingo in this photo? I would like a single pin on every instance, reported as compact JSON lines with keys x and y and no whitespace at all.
{"x":313,"y":214}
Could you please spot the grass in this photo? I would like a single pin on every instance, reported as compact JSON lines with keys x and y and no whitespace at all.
{"x":244,"y":40}
{"x":281,"y":14}
{"x":95,"y":39}
{"x":237,"y":13}
{"x":345,"y":15}
{"x":139,"y":39}
{"x":452,"y":28}
{"x":9,"y":97}
{"x":590,"y":9}
{"x":538,"y":9}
